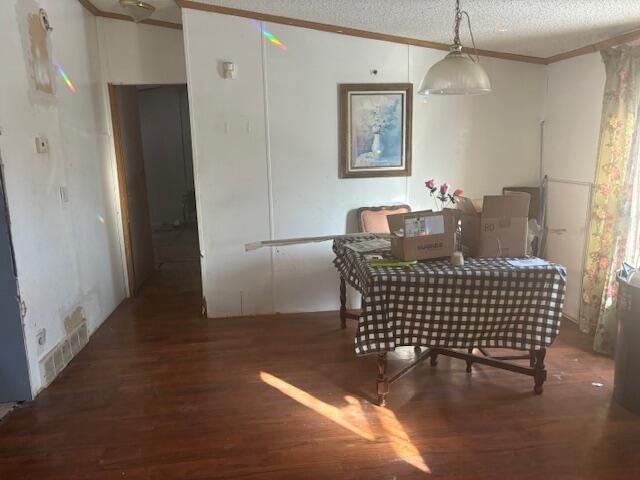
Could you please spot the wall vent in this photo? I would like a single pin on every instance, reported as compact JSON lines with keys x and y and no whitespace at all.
{"x":59,"y":357}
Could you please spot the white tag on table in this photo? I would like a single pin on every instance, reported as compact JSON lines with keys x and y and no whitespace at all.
{"x":369,"y":245}
{"x":528,"y":262}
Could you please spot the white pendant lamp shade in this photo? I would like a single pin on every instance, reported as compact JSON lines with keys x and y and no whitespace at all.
{"x":137,"y":10}
{"x":455,"y":74}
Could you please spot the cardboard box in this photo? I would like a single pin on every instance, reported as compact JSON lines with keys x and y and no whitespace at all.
{"x":496,"y":226}
{"x":535,"y":211}
{"x":424,"y":234}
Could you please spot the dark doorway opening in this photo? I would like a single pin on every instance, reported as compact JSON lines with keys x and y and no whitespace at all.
{"x":155,"y":169}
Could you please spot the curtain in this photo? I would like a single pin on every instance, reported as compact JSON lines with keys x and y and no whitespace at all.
{"x":614,"y":227}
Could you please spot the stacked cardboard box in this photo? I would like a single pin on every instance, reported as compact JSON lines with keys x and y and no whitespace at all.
{"x":496,"y":226}
{"x":493,"y":227}
{"x":424,"y":234}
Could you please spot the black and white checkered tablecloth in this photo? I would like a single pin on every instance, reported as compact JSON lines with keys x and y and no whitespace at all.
{"x":486,"y":303}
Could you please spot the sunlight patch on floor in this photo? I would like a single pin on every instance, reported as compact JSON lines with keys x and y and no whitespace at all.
{"x":344,"y":419}
{"x":384,"y":425}
{"x":400,"y":441}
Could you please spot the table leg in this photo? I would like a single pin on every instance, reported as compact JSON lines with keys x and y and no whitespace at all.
{"x":540,"y":372}
{"x":433,"y":358}
{"x":469,"y":361}
{"x":382,"y":383}
{"x":343,"y":303}
{"x":532,"y":358}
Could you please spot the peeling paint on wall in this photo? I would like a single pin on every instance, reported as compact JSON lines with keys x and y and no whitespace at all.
{"x":36,"y":46}
{"x":73,"y":321}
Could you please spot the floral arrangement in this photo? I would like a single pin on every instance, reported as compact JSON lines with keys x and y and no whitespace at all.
{"x":441,"y":193}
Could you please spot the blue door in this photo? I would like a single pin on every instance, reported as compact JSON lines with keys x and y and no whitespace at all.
{"x":14,"y":370}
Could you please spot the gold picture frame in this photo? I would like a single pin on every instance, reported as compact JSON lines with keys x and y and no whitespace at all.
{"x":375,"y":129}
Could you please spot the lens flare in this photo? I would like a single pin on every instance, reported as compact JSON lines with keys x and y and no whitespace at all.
{"x":268,"y":35}
{"x":67,"y":80}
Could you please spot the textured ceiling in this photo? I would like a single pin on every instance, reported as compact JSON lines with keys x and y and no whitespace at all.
{"x":540,"y":28}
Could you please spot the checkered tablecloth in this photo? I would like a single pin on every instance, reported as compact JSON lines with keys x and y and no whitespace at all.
{"x":485,"y":303}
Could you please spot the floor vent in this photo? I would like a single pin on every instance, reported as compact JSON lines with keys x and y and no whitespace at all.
{"x":59,"y":357}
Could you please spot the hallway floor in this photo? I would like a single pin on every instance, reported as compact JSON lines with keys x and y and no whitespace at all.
{"x":177,"y":260}
{"x":161,"y":393}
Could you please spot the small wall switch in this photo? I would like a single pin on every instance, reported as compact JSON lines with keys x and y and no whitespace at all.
{"x":229,"y":69}
{"x":42,"y":145}
{"x":64,"y":195}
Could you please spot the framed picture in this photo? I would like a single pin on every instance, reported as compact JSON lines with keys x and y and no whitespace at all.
{"x":375,"y":129}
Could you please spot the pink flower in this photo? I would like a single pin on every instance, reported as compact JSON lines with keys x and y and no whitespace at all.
{"x":430,"y":183}
{"x":444,"y":188}
{"x":614,"y":173}
{"x":458,"y":192}
{"x":603,"y":263}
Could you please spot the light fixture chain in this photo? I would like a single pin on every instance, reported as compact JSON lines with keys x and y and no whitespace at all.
{"x":456,"y":26}
{"x":473,"y":42}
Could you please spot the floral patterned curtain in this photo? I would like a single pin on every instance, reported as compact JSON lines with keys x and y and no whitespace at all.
{"x":615,"y":208}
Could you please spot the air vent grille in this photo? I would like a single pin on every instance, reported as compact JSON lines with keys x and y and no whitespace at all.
{"x":59,"y":357}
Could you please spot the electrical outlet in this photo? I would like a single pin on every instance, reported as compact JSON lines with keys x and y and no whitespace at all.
{"x":42,"y":145}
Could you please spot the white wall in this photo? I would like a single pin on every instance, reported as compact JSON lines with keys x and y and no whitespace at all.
{"x":67,"y":254}
{"x":137,"y":54}
{"x":571,"y":133}
{"x":266,"y":151}
{"x":572,"y":117}
{"x":166,"y":140}
{"x":229,"y":155}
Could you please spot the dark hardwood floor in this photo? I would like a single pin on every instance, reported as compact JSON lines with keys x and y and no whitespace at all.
{"x":160,"y":393}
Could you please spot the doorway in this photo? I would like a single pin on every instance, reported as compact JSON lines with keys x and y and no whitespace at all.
{"x":152,"y":138}
{"x":14,"y":368}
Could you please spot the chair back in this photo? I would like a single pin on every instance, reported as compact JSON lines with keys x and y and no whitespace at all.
{"x":374,"y":219}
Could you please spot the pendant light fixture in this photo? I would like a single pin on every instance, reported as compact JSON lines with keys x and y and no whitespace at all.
{"x":137,"y":10}
{"x":457,"y":73}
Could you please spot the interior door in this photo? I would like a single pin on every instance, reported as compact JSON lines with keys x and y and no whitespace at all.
{"x":568,"y":222}
{"x":14,"y":369}
{"x":136,"y":221}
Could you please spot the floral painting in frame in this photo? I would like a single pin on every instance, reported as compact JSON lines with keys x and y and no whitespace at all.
{"x":375,"y":129}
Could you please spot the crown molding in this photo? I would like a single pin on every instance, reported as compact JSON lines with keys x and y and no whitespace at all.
{"x":325,"y":27}
{"x":354,"y":32}
{"x":596,"y":47}
{"x":119,"y":16}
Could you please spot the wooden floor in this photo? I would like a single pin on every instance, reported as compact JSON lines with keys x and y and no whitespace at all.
{"x":161,"y":393}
